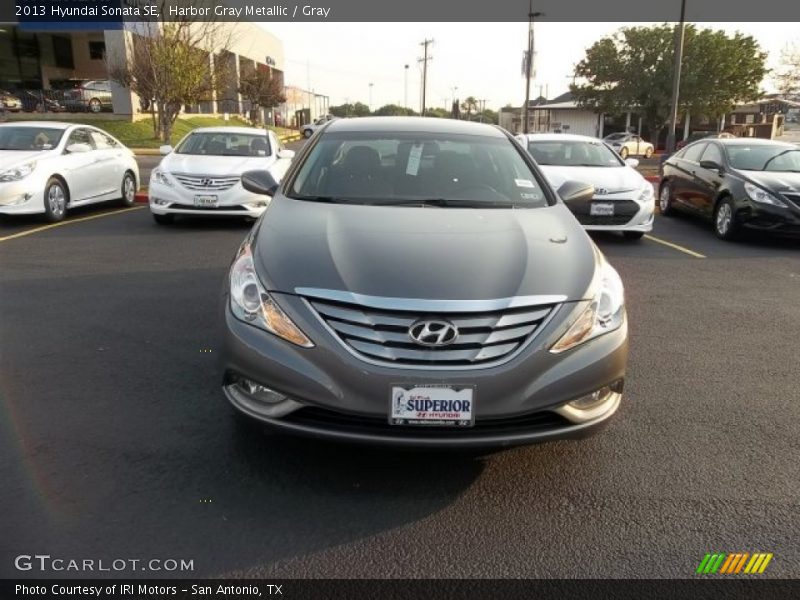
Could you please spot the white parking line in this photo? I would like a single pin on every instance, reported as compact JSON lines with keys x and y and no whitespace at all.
{"x":674,"y":246}
{"x":67,"y":222}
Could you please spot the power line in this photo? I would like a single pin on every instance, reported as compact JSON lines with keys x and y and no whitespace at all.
{"x":424,"y":60}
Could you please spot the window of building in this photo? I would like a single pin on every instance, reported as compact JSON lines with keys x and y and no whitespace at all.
{"x":97,"y":50}
{"x":62,"y":52}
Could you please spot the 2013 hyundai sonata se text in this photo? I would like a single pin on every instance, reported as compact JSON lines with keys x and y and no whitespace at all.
{"x":417,"y":282}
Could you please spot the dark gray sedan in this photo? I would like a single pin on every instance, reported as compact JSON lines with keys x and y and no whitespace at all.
{"x":417,"y":282}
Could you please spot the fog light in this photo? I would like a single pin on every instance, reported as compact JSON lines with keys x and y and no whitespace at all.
{"x":16,"y":201}
{"x":260,"y":392}
{"x":159,"y":201}
{"x":590,"y":401}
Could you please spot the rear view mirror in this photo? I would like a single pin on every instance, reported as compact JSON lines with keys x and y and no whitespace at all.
{"x":259,"y":182}
{"x":632,"y":162}
{"x":78,"y":148}
{"x":575,"y":193}
{"x":711,"y":165}
{"x":164,"y":150}
{"x":286,"y":154}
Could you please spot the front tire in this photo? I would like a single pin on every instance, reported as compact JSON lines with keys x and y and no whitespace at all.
{"x":95,"y":106}
{"x":164,"y":219}
{"x":633,"y":235}
{"x":623,"y":153}
{"x":307,"y":133}
{"x":55,"y":200}
{"x":128,"y":189}
{"x":725,"y":220}
{"x":649,"y":152}
{"x":665,"y":200}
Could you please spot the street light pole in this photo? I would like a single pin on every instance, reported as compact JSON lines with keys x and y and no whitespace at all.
{"x":528,"y":65}
{"x":676,"y":80}
{"x":370,"y":97}
{"x":405,"y":89}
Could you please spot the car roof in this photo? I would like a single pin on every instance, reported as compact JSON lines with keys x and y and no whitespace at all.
{"x":231,"y":129}
{"x":50,"y":124}
{"x":748,"y":141}
{"x":549,"y":137}
{"x":413,"y":125}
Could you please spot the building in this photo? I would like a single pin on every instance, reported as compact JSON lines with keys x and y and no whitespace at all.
{"x":561,"y":114}
{"x":39,"y":61}
{"x":302,"y":106}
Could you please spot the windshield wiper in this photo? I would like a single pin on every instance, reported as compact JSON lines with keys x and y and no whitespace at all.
{"x":328,"y":199}
{"x":764,"y":168}
{"x":449,"y":203}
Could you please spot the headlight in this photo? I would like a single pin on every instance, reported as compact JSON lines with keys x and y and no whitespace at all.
{"x":161,"y":177}
{"x":252,"y":304}
{"x":762,"y":196}
{"x":605,"y":313}
{"x":647,"y":193}
{"x":18,"y":172}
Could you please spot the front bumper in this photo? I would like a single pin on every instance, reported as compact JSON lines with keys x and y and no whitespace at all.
{"x":773,"y":219}
{"x":18,"y":198}
{"x":235,"y":202}
{"x":335,"y":395}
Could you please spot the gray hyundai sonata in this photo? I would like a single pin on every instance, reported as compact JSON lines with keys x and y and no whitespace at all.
{"x":416,"y":282}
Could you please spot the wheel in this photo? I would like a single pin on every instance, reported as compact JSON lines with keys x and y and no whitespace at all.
{"x":95,"y":106}
{"x":55,"y":200}
{"x":128,"y":189}
{"x":633,"y":235}
{"x":665,"y":199}
{"x":163,"y":219}
{"x":623,"y":152}
{"x":649,"y":152}
{"x":725,"y":220}
{"x":307,"y":133}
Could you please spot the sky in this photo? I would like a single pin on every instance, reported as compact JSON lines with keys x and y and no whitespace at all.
{"x":483,"y":60}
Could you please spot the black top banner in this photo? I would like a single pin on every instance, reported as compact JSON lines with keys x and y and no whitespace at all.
{"x":116,"y":12}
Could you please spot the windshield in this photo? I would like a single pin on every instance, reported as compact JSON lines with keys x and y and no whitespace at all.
{"x":615,"y":136}
{"x":763,"y":157}
{"x":568,"y":153}
{"x":418,"y":168}
{"x":225,"y":144}
{"x":14,"y":137}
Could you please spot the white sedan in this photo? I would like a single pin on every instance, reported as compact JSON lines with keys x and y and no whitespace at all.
{"x":629,"y":144}
{"x":202,"y":174}
{"x":48,"y":167}
{"x":624,"y":201}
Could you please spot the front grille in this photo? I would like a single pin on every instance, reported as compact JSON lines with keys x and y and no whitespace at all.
{"x":206,"y":183}
{"x":624,"y":211}
{"x":383,"y":335}
{"x":322,"y":418}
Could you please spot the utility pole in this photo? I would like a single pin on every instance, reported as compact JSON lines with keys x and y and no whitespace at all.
{"x":370,"y":96}
{"x":528,"y":63}
{"x":424,"y":60}
{"x":483,"y":108}
{"x":405,"y":89}
{"x":676,"y":80}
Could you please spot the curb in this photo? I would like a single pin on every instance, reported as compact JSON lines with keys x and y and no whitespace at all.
{"x":141,"y":197}
{"x":145,"y":151}
{"x":652,"y":178}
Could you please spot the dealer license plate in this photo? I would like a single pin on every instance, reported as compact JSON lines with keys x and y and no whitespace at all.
{"x":601,"y":209}
{"x":441,"y":405}
{"x":206,"y":201}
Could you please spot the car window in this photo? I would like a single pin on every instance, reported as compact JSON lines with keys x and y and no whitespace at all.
{"x":397,"y":167}
{"x":712,"y":152}
{"x":80,"y":136}
{"x":693,"y":152}
{"x":573,"y":153}
{"x":764,"y":157}
{"x":102,"y":141}
{"x":24,"y":137}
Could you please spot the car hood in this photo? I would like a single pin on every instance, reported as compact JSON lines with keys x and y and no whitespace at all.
{"x":430,"y":253}
{"x":193,"y":164}
{"x":11,"y":158}
{"x":775,"y":180}
{"x":614,"y":180}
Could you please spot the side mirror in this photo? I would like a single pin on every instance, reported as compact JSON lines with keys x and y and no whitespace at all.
{"x":711,"y":165}
{"x":288,"y":154}
{"x":259,"y":182}
{"x":164,"y":150}
{"x":632,"y":162}
{"x":78,"y":148}
{"x":576,"y":193}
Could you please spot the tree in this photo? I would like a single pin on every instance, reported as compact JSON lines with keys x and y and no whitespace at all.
{"x":632,"y":70}
{"x":438,"y":112}
{"x":469,"y":104}
{"x":169,"y":65}
{"x":393,"y":110}
{"x":262,"y":88}
{"x":788,"y":75}
{"x":359,"y":109}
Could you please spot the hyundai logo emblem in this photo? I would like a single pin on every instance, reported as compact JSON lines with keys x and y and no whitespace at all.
{"x":433,"y":333}
{"x":600,"y":191}
{"x":206,"y":182}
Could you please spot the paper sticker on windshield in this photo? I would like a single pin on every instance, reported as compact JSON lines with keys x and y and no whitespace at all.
{"x":526,"y":183}
{"x":414,"y":158}
{"x":530,"y":196}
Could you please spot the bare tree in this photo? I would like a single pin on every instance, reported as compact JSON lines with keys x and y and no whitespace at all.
{"x":262,"y":87}
{"x":170,"y":64}
{"x":788,"y":74}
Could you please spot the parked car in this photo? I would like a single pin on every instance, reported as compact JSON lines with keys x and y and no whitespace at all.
{"x":48,"y":167}
{"x":418,"y":282}
{"x":86,"y":95}
{"x":309,"y":128}
{"x":700,"y":135}
{"x":742,"y":183}
{"x":10,"y":101}
{"x":201,"y":176}
{"x":629,"y":144}
{"x":624,"y":201}
{"x":39,"y":101}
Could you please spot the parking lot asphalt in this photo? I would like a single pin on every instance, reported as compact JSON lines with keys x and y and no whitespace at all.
{"x":116,"y":441}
